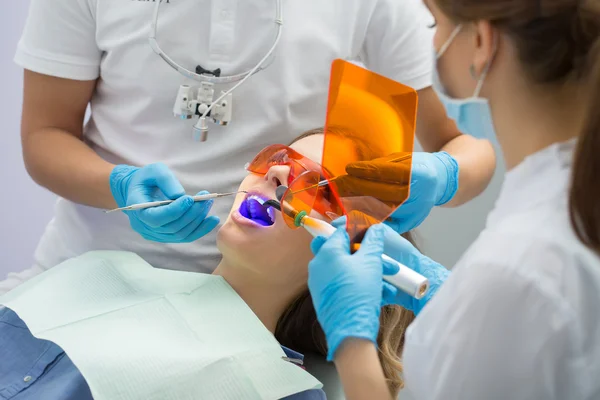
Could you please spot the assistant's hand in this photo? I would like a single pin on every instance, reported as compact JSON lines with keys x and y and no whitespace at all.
{"x":404,"y":252}
{"x":433,"y":182}
{"x":347,"y":289}
{"x":182,"y":221}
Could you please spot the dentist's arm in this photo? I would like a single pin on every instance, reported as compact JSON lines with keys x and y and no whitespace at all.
{"x":62,"y":62}
{"x":57,"y":157}
{"x":54,"y":152}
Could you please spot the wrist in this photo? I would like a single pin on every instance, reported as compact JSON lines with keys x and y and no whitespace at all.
{"x":448,"y":177}
{"x":361,"y":324}
{"x":338,"y":340}
{"x":118,"y":180}
{"x":361,"y":372}
{"x":351,"y":346}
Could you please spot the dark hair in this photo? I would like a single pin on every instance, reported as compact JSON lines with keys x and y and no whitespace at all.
{"x":299,"y":329}
{"x":557,"y":42}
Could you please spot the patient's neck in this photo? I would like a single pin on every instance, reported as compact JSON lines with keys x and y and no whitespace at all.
{"x":266,"y":300}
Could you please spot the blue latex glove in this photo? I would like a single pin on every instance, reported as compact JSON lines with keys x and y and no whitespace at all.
{"x":182,"y":221}
{"x":434,"y":182}
{"x":405,"y":253}
{"x":347,"y":290}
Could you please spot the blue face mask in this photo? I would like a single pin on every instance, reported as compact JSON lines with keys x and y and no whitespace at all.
{"x":472,"y":115}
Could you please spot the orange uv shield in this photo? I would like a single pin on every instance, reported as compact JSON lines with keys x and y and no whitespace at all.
{"x":369,"y":117}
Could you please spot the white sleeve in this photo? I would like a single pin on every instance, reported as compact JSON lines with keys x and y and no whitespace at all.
{"x":487,"y":335}
{"x":59,"y":39}
{"x":399,"y":44}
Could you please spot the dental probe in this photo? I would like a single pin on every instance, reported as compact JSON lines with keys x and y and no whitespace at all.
{"x":201,"y":197}
{"x":325,"y":182}
{"x":406,"y":279}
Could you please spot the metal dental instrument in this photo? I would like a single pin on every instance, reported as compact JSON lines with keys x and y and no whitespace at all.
{"x":325,"y":182}
{"x":406,"y":279}
{"x":201,"y":197}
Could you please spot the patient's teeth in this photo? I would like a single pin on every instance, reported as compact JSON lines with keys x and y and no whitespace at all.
{"x":254,"y":197}
{"x":271,"y":213}
{"x":258,"y":212}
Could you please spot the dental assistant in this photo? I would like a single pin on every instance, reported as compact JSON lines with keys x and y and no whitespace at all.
{"x":518,"y":316}
{"x":96,"y":52}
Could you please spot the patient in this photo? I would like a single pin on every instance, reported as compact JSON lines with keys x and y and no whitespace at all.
{"x":264,"y":261}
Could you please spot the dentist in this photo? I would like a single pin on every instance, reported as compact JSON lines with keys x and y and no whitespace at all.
{"x":96,"y":52}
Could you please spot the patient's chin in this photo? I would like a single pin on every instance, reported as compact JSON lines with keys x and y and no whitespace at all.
{"x":227,"y":232}
{"x":233,"y":236}
{"x":235,"y":244}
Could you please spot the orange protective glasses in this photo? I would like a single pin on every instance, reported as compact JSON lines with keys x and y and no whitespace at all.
{"x":304,"y":192}
{"x":280,"y":154}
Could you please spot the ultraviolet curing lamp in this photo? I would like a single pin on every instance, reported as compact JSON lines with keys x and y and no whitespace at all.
{"x":406,"y":279}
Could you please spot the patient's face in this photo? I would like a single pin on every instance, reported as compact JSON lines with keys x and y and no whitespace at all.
{"x":278,"y":253}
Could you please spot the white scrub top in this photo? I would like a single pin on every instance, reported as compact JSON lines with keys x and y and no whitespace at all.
{"x":519,"y":318}
{"x":132,"y":120}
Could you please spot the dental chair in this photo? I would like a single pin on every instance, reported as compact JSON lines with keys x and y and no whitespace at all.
{"x":326,"y":373}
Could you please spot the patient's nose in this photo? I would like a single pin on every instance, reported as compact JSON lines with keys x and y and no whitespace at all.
{"x":278,"y":175}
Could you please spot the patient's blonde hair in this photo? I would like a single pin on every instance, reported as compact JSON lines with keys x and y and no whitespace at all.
{"x":299,"y":329}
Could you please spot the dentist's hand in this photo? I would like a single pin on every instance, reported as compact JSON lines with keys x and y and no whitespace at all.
{"x":347,"y":288}
{"x":433,"y":182}
{"x":182,"y":221}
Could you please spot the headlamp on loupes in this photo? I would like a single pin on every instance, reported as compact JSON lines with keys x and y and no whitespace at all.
{"x":199,"y":100}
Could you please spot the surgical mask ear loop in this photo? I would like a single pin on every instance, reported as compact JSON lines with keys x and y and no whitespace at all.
{"x":486,"y":69}
{"x":448,"y":41}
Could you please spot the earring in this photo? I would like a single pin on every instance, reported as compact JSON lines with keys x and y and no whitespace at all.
{"x":472,"y":71}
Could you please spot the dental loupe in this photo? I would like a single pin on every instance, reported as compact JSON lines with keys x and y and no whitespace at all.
{"x":199,"y":101}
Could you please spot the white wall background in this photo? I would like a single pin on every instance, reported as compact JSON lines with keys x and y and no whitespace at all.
{"x":25,"y":208}
{"x":447,"y":233}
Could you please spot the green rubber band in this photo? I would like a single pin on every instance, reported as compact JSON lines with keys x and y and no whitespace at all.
{"x":299,"y":217}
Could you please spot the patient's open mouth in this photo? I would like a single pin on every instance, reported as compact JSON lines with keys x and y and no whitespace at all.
{"x":253,"y":209}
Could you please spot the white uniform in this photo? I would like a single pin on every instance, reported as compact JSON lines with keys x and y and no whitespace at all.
{"x":519,"y":317}
{"x":132,"y":119}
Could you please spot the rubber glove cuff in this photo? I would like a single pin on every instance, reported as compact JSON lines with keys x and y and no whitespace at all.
{"x":437,"y":275}
{"x":119,"y":180}
{"x":448,"y":177}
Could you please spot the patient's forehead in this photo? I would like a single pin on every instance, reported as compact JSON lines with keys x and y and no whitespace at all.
{"x":311,"y":147}
{"x":343,"y":149}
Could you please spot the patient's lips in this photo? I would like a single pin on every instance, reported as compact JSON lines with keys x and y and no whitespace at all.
{"x":252,"y":209}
